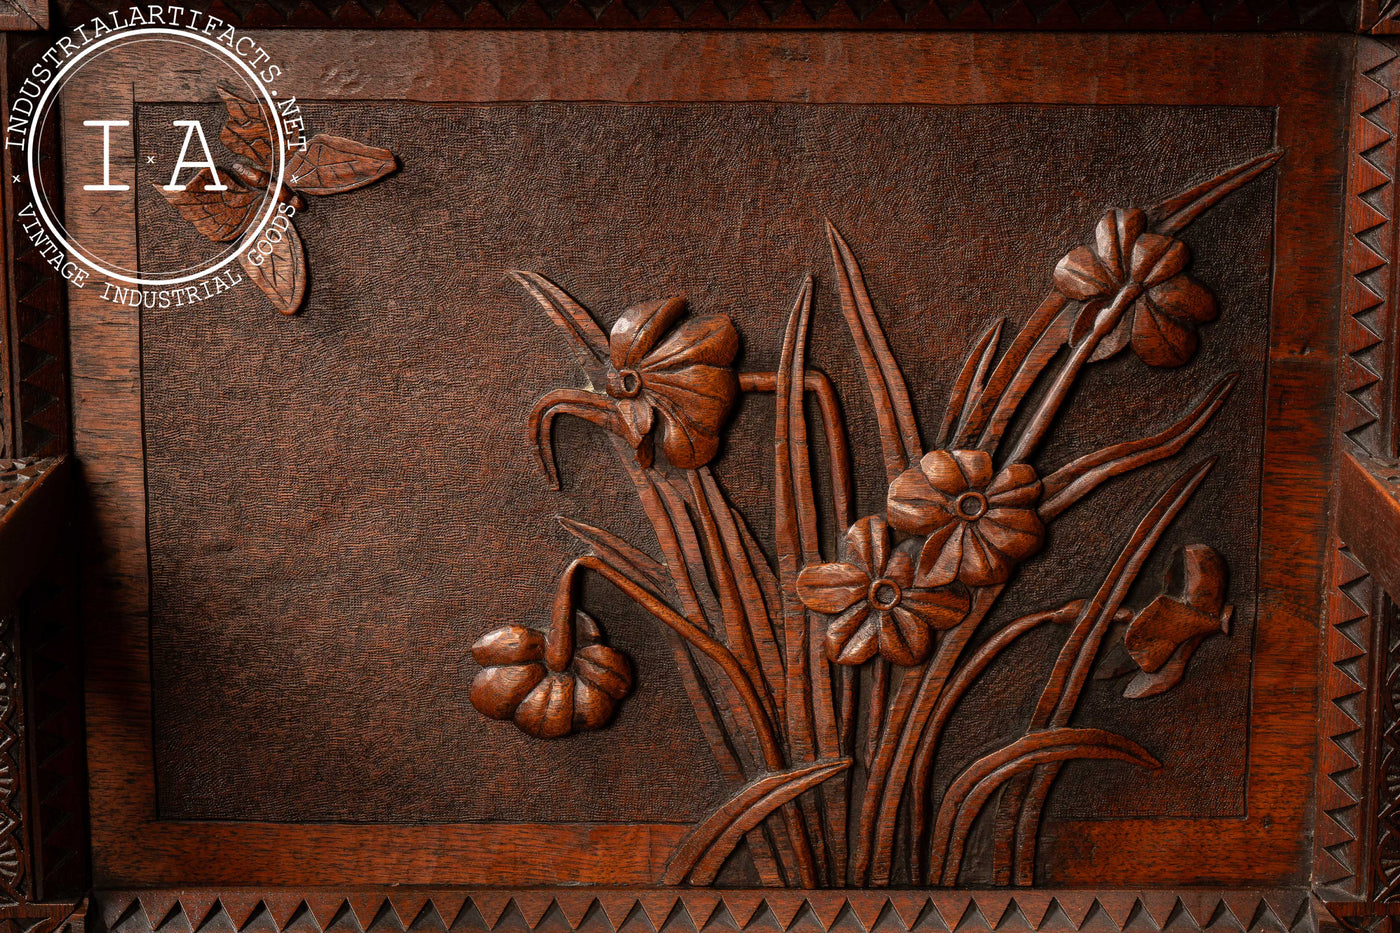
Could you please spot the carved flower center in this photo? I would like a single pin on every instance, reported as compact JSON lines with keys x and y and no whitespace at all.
{"x":627,"y":384}
{"x":971,"y":505}
{"x":885,"y":593}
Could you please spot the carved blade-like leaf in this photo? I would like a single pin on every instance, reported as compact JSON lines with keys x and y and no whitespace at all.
{"x":609,"y":547}
{"x":899,"y":435}
{"x":282,"y":273}
{"x":587,"y":338}
{"x":1175,"y":213}
{"x":246,"y":131}
{"x":219,"y":215}
{"x":704,"y":850}
{"x":971,"y":790}
{"x":1077,"y":479}
{"x":967,"y":390}
{"x":332,"y":164}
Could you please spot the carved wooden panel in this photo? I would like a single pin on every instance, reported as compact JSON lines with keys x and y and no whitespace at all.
{"x":777,"y":461}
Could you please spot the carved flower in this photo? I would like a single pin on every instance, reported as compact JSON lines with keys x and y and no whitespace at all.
{"x":1162,"y":638}
{"x":979,"y":525}
{"x":515,"y":683}
{"x":879,"y":606}
{"x":686,"y":381}
{"x":1161,"y":324}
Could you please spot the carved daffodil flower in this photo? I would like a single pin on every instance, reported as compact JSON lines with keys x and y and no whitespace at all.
{"x":516,"y":683}
{"x":1162,"y":638}
{"x":878,"y":604}
{"x":1161,"y":324}
{"x":686,"y":382}
{"x":979,"y":524}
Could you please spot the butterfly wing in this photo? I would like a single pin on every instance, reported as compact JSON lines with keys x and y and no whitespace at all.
{"x":219,"y":215}
{"x":332,"y":164}
{"x":247,"y":132}
{"x":282,"y":273}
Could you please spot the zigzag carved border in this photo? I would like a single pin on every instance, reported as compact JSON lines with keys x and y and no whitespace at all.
{"x":1339,"y":860}
{"x":1344,"y":856}
{"x":695,"y":911}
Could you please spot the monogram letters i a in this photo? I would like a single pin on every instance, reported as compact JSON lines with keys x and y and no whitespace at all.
{"x":824,"y":682}
{"x":223,"y":202}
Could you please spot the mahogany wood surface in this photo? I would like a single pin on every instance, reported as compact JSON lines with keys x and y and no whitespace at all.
{"x":1296,"y":76}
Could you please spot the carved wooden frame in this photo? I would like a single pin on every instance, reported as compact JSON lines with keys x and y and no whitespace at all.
{"x":1354,"y":880}
{"x":129,"y":843}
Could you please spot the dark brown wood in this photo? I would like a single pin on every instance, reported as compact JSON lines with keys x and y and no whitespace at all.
{"x":34,"y":520}
{"x":1194,"y":15}
{"x":830,"y":590}
{"x":1368,"y":520}
{"x":133,"y":844}
{"x":35,"y":419}
{"x":1278,"y":911}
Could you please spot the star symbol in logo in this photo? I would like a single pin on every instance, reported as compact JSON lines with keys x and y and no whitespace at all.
{"x":150,"y":160}
{"x":14,"y":179}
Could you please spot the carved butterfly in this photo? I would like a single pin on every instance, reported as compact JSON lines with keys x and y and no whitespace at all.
{"x":328,"y":165}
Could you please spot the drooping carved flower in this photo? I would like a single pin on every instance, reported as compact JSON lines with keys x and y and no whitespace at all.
{"x":1161,"y":324}
{"x":878,"y":606}
{"x":686,"y":382}
{"x":980,"y":525}
{"x":1162,"y":638}
{"x":516,"y":684}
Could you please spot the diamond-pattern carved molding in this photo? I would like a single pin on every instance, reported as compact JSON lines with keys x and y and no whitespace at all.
{"x":563,"y":911}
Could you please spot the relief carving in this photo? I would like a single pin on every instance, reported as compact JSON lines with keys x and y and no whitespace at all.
{"x":825,"y":682}
{"x":328,"y":165}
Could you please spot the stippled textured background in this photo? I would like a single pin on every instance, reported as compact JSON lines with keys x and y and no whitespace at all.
{"x":341,"y":502}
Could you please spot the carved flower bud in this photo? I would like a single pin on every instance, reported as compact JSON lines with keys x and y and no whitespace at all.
{"x":515,"y":683}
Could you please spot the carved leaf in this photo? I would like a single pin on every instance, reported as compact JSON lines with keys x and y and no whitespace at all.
{"x":219,"y":215}
{"x":332,"y":164}
{"x":967,"y":390}
{"x":246,"y":132}
{"x":1173,"y":214}
{"x":617,"y":553}
{"x":282,"y":273}
{"x":971,"y":790}
{"x":589,"y":343}
{"x":1077,"y":479}
{"x":899,"y":435}
{"x":704,"y":850}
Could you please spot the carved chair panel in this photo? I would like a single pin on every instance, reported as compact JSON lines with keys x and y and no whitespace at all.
{"x":719,"y":459}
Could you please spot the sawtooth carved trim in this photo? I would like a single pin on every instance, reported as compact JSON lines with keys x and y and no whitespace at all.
{"x":1353,"y":807}
{"x":603,"y":911}
{"x":36,"y":390}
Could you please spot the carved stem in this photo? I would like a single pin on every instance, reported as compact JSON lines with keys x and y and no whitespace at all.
{"x":1011,"y":371}
{"x":1044,"y":416}
{"x":837,"y":448}
{"x":879,"y":696}
{"x":1076,"y":658}
{"x":768,"y":740}
{"x":760,"y":632}
{"x":763,"y":729}
{"x":910,"y":716}
{"x":590,"y":406}
{"x":738,"y":636}
{"x":958,"y":684}
{"x":824,"y":709}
